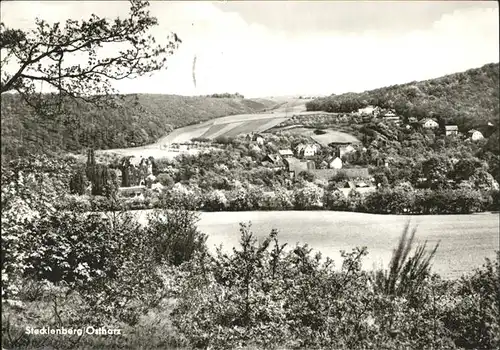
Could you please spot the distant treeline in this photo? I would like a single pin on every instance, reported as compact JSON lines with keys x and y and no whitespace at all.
{"x":226,"y":95}
{"x":468,"y":99}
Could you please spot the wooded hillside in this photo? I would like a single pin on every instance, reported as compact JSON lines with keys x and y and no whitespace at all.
{"x":469,"y":99}
{"x":133,"y":123}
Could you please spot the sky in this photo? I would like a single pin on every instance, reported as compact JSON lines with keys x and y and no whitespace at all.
{"x":297,"y":48}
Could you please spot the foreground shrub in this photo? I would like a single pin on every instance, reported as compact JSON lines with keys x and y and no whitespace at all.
{"x":495,"y":200}
{"x":459,"y":201}
{"x":335,"y":200}
{"x":474,"y":311}
{"x":308,"y":197}
{"x":406,"y":275}
{"x":261,"y":295}
{"x":215,"y":201}
{"x":173,"y":236}
{"x":96,"y":256}
{"x":394,"y":201}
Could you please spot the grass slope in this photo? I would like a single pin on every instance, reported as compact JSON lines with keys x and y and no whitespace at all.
{"x":129,"y":125}
{"x":468,"y":99}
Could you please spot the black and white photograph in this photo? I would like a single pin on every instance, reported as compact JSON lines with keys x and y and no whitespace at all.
{"x":250,"y":175}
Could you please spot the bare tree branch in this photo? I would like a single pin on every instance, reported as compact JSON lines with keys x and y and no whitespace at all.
{"x":40,"y":55}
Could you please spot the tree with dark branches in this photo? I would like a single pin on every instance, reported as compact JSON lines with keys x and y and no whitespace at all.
{"x":80,"y":59}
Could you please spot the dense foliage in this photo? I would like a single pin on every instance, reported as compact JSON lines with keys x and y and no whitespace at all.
{"x":468,"y":99}
{"x":266,"y":296}
{"x":90,"y":254}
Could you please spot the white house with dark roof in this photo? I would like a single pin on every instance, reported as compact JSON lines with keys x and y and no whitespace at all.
{"x":429,"y":123}
{"x":451,"y":130}
{"x":285,"y":153}
{"x":346,"y":150}
{"x":306,"y":150}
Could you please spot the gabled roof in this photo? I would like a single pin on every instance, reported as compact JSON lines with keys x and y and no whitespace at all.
{"x":451,"y":127}
{"x":310,"y":146}
{"x":329,"y":159}
{"x":425,"y":120}
{"x":346,"y":146}
{"x":273,"y":157}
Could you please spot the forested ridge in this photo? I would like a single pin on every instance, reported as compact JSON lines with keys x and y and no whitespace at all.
{"x":469,"y":99}
{"x":134,"y":122}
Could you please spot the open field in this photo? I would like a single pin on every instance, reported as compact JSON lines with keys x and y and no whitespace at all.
{"x":465,"y":240}
{"x":334,"y":136}
{"x":225,"y":126}
{"x":223,"y":129}
{"x":324,"y":139}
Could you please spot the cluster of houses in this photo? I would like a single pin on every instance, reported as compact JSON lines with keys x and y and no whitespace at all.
{"x":426,"y":123}
{"x":298,"y":160}
{"x":388,"y":115}
{"x":451,"y":130}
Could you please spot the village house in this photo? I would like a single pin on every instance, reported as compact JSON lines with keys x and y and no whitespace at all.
{"x":451,"y":130}
{"x":285,"y":153}
{"x":131,"y":192}
{"x":310,"y":150}
{"x":367,"y":110}
{"x":306,"y":150}
{"x":258,"y":138}
{"x":273,"y":158}
{"x":346,"y":149}
{"x":392,"y":119}
{"x":389,"y":114}
{"x":255,"y":137}
{"x":428,"y":123}
{"x":298,"y":149}
{"x":296,"y":166}
{"x":475,"y":135}
{"x":273,"y":161}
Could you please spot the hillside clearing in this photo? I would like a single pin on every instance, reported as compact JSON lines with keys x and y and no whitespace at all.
{"x":330,"y":136}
